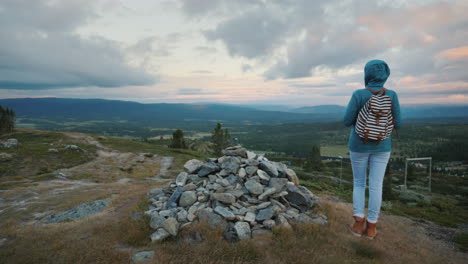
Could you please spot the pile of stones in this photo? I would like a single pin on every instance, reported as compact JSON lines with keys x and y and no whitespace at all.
{"x":241,"y":192}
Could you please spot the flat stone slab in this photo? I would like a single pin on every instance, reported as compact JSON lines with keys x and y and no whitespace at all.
{"x":78,"y":212}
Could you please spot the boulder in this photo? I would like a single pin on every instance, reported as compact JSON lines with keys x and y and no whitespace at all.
{"x":181,"y":179}
{"x":269,"y":167}
{"x":264,"y":214}
{"x":243,"y":230}
{"x":222,"y":211}
{"x":160,"y":235}
{"x":226,"y":198}
{"x":208,"y":168}
{"x":192,"y":166}
{"x":187,"y":198}
{"x":231,"y":165}
{"x":212,"y":219}
{"x":171,"y":226}
{"x":254,"y":187}
{"x":237,"y":151}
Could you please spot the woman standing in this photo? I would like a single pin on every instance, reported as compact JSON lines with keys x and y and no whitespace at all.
{"x":365,"y":152}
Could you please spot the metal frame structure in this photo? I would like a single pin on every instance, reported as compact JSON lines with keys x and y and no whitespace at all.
{"x":414,"y":159}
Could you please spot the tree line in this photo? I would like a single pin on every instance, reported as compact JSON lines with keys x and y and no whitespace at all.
{"x":220,"y":139}
{"x":7,"y":120}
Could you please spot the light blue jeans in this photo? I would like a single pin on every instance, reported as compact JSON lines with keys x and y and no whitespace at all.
{"x":377,"y":162}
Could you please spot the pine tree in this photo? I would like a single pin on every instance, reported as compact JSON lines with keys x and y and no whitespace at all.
{"x":7,"y":120}
{"x":315,"y":159}
{"x":221,"y":139}
{"x":178,"y":140}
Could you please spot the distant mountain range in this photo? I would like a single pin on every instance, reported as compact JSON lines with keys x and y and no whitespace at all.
{"x":60,"y":109}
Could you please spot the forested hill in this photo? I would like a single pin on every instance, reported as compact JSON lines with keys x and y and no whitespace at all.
{"x":98,"y":109}
{"x":60,"y":109}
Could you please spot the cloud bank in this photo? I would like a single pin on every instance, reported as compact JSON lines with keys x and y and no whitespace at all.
{"x":41,"y":50}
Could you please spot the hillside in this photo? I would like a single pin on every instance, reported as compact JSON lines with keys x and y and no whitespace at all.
{"x":36,"y":181}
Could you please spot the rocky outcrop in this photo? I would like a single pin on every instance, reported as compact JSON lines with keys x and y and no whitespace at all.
{"x":242,"y":193}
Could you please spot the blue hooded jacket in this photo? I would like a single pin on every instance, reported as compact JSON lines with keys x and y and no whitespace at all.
{"x":376,"y":73}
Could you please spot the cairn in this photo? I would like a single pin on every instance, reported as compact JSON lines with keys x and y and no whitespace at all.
{"x":241,"y":192}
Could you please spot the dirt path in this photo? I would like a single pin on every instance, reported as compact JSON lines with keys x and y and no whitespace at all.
{"x":107,"y":174}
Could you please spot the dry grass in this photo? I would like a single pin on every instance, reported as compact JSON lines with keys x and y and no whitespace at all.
{"x":113,"y":237}
{"x":107,"y":237}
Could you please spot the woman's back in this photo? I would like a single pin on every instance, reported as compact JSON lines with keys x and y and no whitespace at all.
{"x":376,"y":73}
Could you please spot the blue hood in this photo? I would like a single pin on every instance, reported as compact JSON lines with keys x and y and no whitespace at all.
{"x":376,"y":73}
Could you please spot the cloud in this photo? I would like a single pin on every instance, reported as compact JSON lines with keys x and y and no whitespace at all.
{"x":295,"y":39}
{"x":40,"y":49}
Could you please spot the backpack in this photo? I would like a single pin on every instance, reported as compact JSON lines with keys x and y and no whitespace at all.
{"x":375,"y":120}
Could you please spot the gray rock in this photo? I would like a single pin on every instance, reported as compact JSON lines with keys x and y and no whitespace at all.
{"x":243,"y":230}
{"x":264,"y":214}
{"x":160,"y":235}
{"x":269,"y":167}
{"x":157,"y":221}
{"x":174,"y":199}
{"x":269,"y":223}
{"x":195,"y":179}
{"x":242,"y":173}
{"x":208,"y":168}
{"x":266,"y":193}
{"x":278,"y":183}
{"x":281,"y":169}
{"x":182,"y":216}
{"x":263,"y":175}
{"x":181,"y":179}
{"x":251,"y":155}
{"x":142,"y":256}
{"x":171,"y":226}
{"x":254,"y":187}
{"x":187,"y":198}
{"x":233,"y":179}
{"x":192,"y":166}
{"x":235,"y":151}
{"x":190,"y":187}
{"x":251,"y":170}
{"x":214,"y":220}
{"x":250,"y":217}
{"x":231,"y":165}
{"x":236,"y":193}
{"x":292,"y":176}
{"x":299,"y":198}
{"x":282,"y":221}
{"x":78,"y":212}
{"x":226,"y":198}
{"x":155,"y":193}
{"x":225,"y":213}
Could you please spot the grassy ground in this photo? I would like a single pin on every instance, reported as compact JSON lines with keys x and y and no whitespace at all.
{"x":113,"y":236}
{"x":180,"y":155}
{"x":32,"y":158}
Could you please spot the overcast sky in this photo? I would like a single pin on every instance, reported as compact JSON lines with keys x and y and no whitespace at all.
{"x":288,"y":52}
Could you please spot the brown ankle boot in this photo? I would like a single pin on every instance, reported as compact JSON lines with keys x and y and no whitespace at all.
{"x":371,"y":230}
{"x":357,"y":228}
